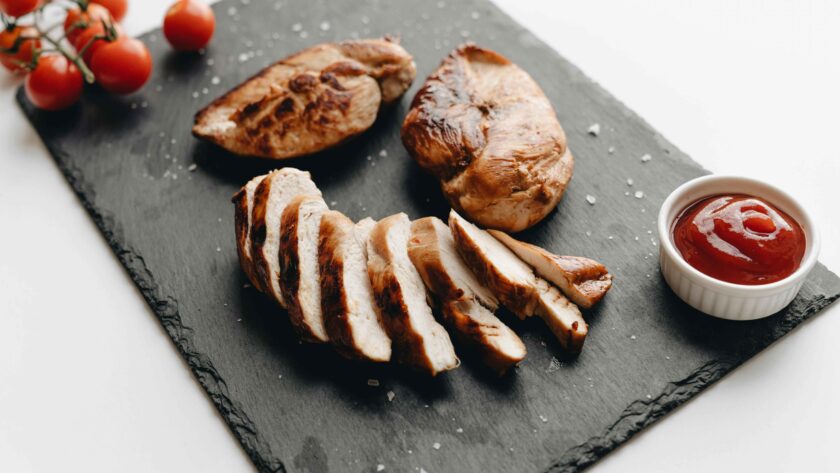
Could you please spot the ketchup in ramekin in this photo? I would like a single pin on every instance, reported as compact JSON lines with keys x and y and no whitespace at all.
{"x":739,"y":239}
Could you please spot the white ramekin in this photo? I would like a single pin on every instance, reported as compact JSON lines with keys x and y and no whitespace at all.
{"x":723,"y":299}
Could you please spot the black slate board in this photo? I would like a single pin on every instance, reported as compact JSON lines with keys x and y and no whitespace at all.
{"x":302,"y":408}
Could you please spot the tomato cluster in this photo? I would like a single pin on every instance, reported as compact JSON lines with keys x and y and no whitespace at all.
{"x":101,"y":53}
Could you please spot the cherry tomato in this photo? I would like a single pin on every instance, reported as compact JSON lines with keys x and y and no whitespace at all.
{"x":18,"y":7}
{"x":122,"y":66}
{"x":55,"y":83}
{"x":189,"y":25}
{"x":87,"y":35}
{"x":12,"y":61}
{"x":77,"y":20}
{"x":116,"y":7}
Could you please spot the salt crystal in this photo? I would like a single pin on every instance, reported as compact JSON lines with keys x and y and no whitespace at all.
{"x":333,"y":203}
{"x":591,"y":199}
{"x":218,"y":249}
{"x":325,"y":26}
{"x":191,"y":168}
{"x":239,"y":320}
{"x":380,"y":467}
{"x":649,"y":396}
{"x":231,"y":11}
{"x":459,"y":430}
{"x":390,"y":395}
{"x":383,"y":153}
{"x":611,"y":149}
{"x":553,"y":365}
{"x":629,"y":181}
{"x":594,"y":129}
{"x":243,"y":57}
{"x":475,"y":15}
{"x":297,"y":27}
{"x":632,"y":337}
{"x":639,"y":194}
{"x":543,"y":418}
{"x":373,"y":382}
{"x":436,"y":445}
{"x":646,"y":158}
{"x":303,"y":34}
{"x":215,"y":80}
{"x":279,"y":376}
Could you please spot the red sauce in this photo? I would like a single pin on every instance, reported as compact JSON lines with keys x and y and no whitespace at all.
{"x":739,"y":239}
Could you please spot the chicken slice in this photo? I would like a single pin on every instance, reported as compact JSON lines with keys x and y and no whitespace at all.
{"x":243,"y":203}
{"x":466,"y":304}
{"x":310,"y":101}
{"x":299,"y":276}
{"x":271,"y":197}
{"x":582,"y":280}
{"x":350,"y":316}
{"x":419,"y":340}
{"x":515,"y":284}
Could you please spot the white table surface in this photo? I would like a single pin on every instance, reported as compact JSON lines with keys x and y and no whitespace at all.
{"x":90,"y":382}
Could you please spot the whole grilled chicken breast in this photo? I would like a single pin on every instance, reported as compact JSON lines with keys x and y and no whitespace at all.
{"x":310,"y":101}
{"x":486,"y":130}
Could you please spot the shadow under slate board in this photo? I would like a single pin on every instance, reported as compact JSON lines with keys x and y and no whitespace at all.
{"x":162,"y":201}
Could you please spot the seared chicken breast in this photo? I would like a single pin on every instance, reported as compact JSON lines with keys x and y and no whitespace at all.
{"x":515,"y":284}
{"x":347,"y":302}
{"x":467,"y":305}
{"x":243,"y":202}
{"x":271,"y":197}
{"x":298,"y":256}
{"x":486,"y":130}
{"x":582,"y":280}
{"x":309,"y":101}
{"x":419,"y":340}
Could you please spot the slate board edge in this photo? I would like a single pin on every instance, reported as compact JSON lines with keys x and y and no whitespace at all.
{"x":165,"y":308}
{"x":643,"y":413}
{"x":637,"y":416}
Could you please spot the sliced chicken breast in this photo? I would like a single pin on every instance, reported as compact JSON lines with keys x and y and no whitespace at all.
{"x":419,"y":340}
{"x":299,"y":276}
{"x":476,"y":326}
{"x":582,"y":280}
{"x":516,"y":286}
{"x":432,"y":250}
{"x":350,"y":316}
{"x":243,"y":203}
{"x":271,"y":197}
{"x":466,"y":304}
{"x":312,"y":100}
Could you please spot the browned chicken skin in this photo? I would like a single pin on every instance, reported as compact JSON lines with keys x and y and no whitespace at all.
{"x":483,"y":127}
{"x":310,"y":101}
